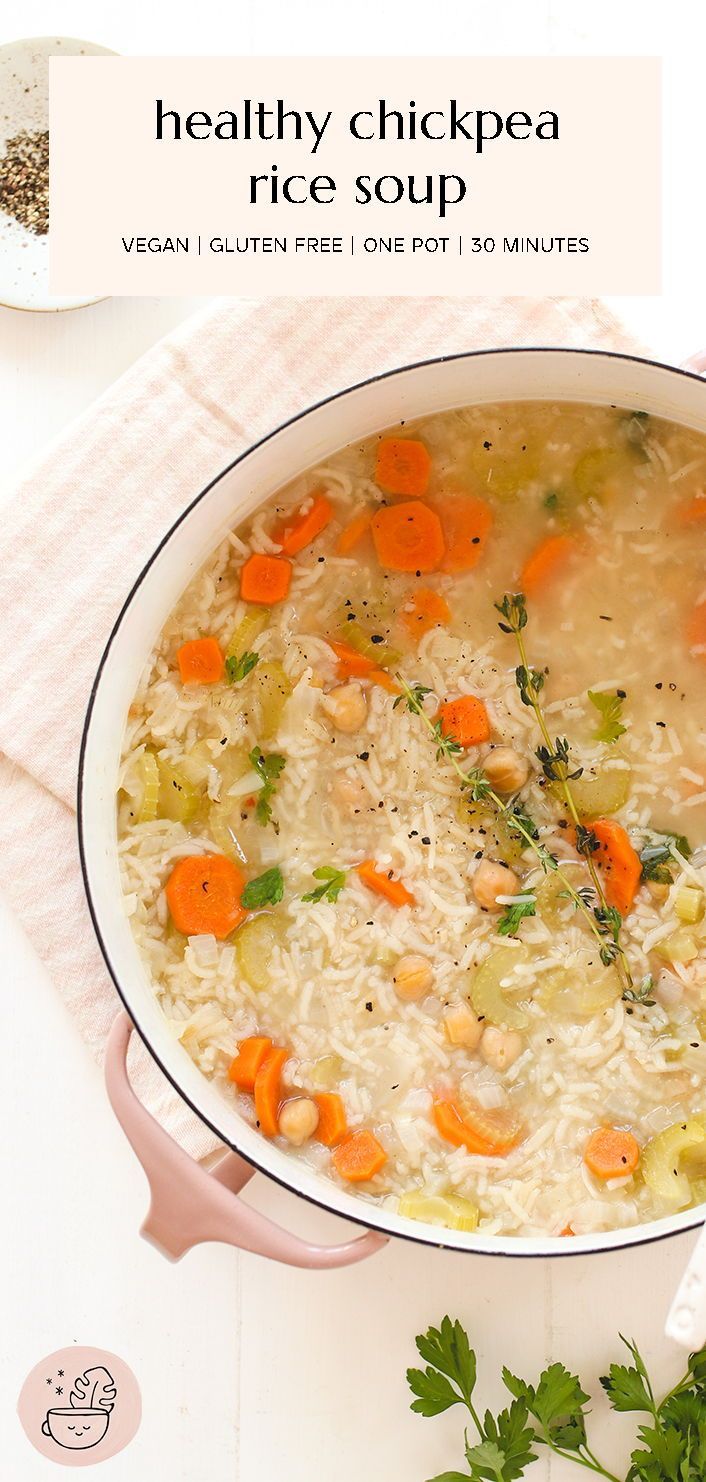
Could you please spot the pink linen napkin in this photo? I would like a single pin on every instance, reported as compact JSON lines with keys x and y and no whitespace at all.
{"x":89,"y":512}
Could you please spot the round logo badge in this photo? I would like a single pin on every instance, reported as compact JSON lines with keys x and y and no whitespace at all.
{"x":79,"y":1406}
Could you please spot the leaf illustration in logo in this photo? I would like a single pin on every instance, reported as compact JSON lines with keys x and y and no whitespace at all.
{"x":94,"y":1390}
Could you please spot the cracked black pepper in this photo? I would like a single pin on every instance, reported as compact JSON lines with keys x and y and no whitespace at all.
{"x":24,"y":180}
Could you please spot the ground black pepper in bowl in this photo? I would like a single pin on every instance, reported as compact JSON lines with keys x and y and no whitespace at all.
{"x":24,"y":180}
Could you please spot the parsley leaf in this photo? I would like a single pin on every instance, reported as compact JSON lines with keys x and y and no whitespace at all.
{"x":627,"y":1386}
{"x":513,"y":915}
{"x":671,"y":1446}
{"x":486,"y":1460}
{"x":656,"y":856}
{"x":609,"y":708}
{"x":239,"y":668}
{"x":449,"y":1357}
{"x":332,"y":883}
{"x":514,"y":1438}
{"x":265,"y":890}
{"x":269,"y":769}
{"x":557,"y":1403}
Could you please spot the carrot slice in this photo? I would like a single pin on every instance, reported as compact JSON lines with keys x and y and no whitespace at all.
{"x":693,"y":512}
{"x":353,"y":533}
{"x":567,"y":1230}
{"x":268,"y":1091}
{"x":619,"y":862}
{"x":332,"y":1118}
{"x":354,"y":665}
{"x":466,"y":719}
{"x":200,"y":661}
{"x":403,"y":466}
{"x":265,"y":579}
{"x":696,"y":631}
{"x":408,"y":537}
{"x":611,"y":1153}
{"x":203,"y":895}
{"x":299,"y":530}
{"x":479,"y":1131}
{"x":351,"y":664}
{"x":546,"y":563}
{"x":359,"y":1157}
{"x":425,"y":609}
{"x":251,"y":1055}
{"x":391,"y":890}
{"x":466,"y":523}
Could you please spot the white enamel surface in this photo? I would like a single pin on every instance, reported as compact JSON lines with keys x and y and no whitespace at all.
{"x":560,"y":375}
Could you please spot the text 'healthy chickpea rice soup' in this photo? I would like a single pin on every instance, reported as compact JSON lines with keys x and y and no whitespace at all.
{"x":412,"y":819}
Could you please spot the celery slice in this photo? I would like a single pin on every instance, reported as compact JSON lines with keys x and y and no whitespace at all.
{"x":178,"y":798}
{"x":379,"y":653}
{"x":599,"y":793}
{"x":326,"y":1072}
{"x":492,"y":1002}
{"x":254,"y":943}
{"x":689,"y":904}
{"x":681,"y":946}
{"x":223,"y":824}
{"x":148,"y":788}
{"x":249,"y":628}
{"x":579,"y":992}
{"x":597,"y":468}
{"x":272,"y":690}
{"x":450,"y":1210}
{"x":661,"y":1162}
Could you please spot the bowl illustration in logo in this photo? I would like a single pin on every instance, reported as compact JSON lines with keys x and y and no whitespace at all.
{"x":76,"y":1429}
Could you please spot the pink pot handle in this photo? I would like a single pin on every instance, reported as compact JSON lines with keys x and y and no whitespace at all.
{"x":696,"y":363}
{"x":190,"y":1205}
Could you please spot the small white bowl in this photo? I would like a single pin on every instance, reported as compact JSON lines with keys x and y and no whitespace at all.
{"x":24,"y":104}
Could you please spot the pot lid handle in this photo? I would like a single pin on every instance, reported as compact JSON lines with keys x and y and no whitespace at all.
{"x":190,"y":1205}
{"x":686,"y":1322}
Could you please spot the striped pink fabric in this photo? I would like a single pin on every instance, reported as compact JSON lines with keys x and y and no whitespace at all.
{"x":92,"y":507}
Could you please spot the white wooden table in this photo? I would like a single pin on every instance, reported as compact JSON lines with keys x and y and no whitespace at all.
{"x":250,"y":1366}
{"x":250,"y":1371}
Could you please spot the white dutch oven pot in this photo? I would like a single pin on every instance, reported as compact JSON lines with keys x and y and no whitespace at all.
{"x":189,"y":1204}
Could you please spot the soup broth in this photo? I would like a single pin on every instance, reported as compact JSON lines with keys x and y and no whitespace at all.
{"x":412,"y":818}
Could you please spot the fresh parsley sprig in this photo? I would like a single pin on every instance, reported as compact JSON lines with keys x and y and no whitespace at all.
{"x":331,"y":883}
{"x":264,"y":890}
{"x":238,"y":668}
{"x":553,"y":1414}
{"x":610,"y":709}
{"x":657,"y":857}
{"x":514,"y":914}
{"x":268,"y":768}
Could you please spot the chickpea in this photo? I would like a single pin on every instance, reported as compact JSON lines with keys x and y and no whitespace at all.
{"x":349,"y":795}
{"x":346,"y":706}
{"x":298,"y":1120}
{"x":505,"y":769}
{"x":491,"y":880}
{"x":413,"y":977}
{"x":461,"y":1025}
{"x":500,"y":1047}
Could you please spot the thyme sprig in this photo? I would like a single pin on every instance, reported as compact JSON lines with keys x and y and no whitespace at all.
{"x":514,"y":817}
{"x":558,"y":767}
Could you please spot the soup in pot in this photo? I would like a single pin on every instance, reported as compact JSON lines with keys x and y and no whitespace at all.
{"x":412,"y":818}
